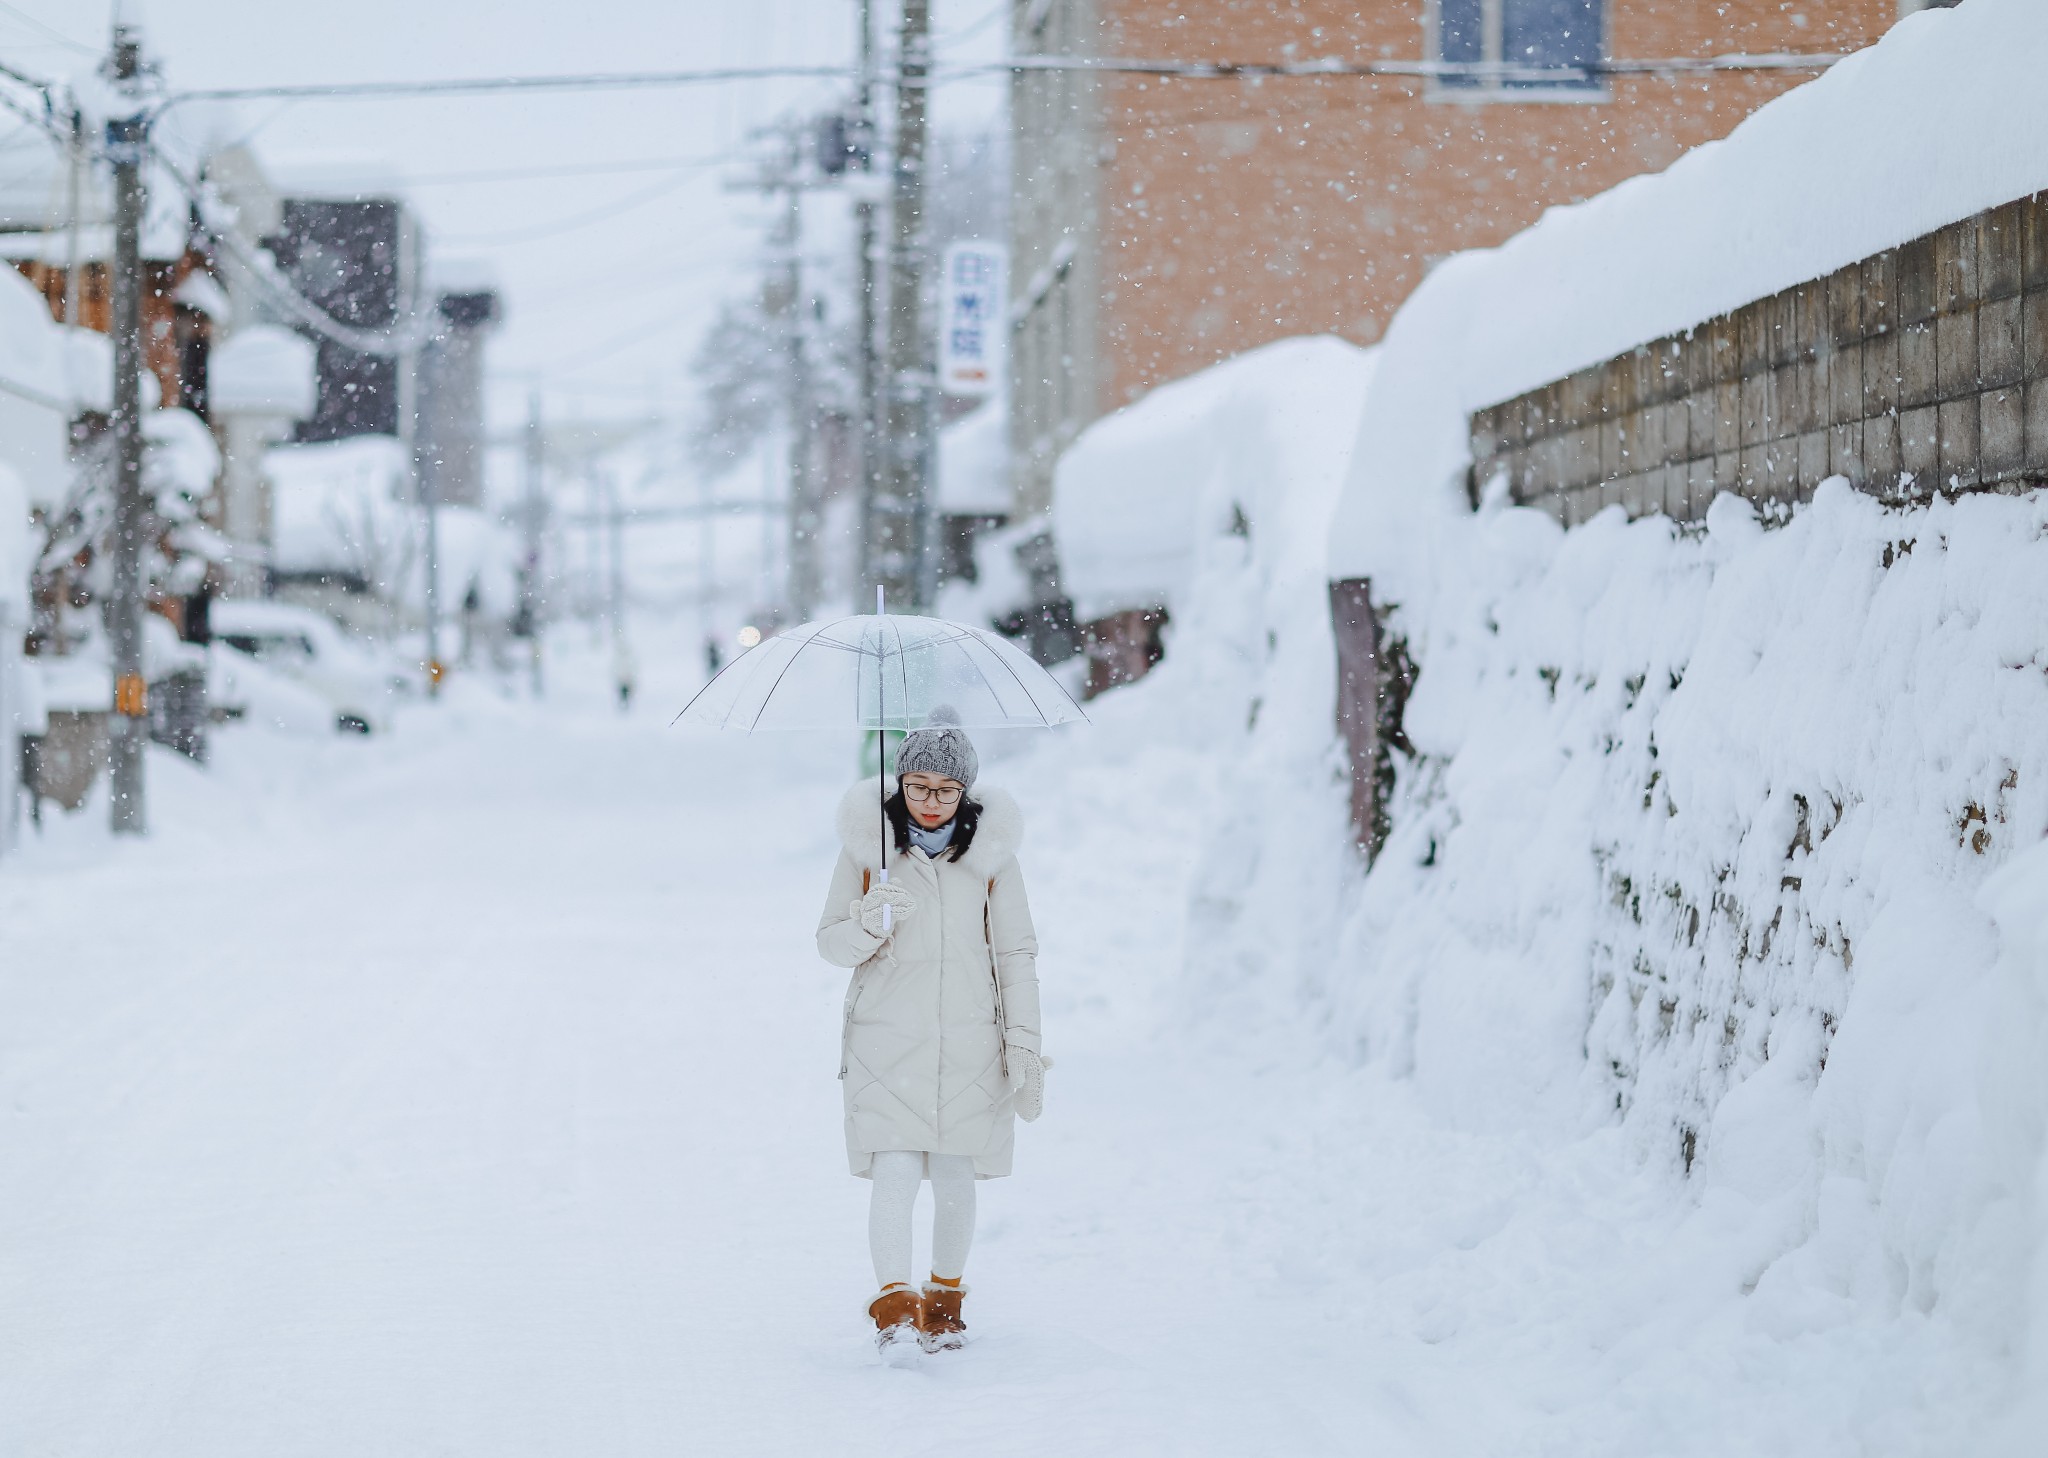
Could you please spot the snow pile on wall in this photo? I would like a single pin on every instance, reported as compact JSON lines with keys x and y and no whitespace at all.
{"x":14,"y":547}
{"x":1808,"y":183}
{"x":1140,"y":499}
{"x":35,"y":402}
{"x":342,"y":507}
{"x":1690,"y":854}
{"x":1691,"y":840}
{"x":1229,"y":476}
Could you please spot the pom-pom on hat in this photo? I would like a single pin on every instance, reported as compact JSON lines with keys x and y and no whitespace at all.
{"x":939,"y":747}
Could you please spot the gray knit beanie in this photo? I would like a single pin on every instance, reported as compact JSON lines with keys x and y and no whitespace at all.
{"x":939,"y":747}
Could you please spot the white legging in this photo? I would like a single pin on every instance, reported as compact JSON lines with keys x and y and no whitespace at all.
{"x":896,"y":1174}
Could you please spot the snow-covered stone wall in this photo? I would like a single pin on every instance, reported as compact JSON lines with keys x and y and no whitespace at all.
{"x":1706,"y":842}
{"x":1902,"y":372}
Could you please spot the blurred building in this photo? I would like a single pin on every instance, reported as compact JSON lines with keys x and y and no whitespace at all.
{"x":449,"y":445}
{"x":352,"y":247}
{"x":1159,"y":224}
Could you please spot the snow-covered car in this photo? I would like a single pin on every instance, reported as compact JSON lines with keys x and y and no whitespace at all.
{"x":312,"y":650}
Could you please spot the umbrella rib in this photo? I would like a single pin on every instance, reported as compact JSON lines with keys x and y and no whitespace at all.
{"x":902,"y":675}
{"x":765,"y":698}
{"x":1033,"y":697}
{"x":732,"y":668}
{"x":989,"y":684}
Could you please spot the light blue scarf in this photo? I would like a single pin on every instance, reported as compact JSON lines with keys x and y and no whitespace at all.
{"x":932,"y":842}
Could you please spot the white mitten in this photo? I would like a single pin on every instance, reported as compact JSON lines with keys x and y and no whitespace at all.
{"x":1027,"y":1082}
{"x":868,"y":910}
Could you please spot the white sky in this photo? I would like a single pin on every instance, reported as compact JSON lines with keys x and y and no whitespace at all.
{"x":609,"y":276}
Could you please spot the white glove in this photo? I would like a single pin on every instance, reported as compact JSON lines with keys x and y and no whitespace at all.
{"x":868,"y":910}
{"x":1027,"y":1082}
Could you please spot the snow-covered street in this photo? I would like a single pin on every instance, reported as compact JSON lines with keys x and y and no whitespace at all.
{"x":471,"y":1091}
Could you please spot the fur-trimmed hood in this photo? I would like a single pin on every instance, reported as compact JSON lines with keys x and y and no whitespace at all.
{"x":996,"y":838}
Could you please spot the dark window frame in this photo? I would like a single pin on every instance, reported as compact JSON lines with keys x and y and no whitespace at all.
{"x":1486,"y":27}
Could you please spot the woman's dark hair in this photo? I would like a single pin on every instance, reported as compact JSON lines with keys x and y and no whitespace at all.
{"x":965,"y":819}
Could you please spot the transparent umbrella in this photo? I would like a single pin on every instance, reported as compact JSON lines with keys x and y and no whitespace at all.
{"x":882,"y":672}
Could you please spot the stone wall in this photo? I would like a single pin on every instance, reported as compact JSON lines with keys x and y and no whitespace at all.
{"x":1923,"y":368}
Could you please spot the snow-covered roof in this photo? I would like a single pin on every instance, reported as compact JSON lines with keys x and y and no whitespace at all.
{"x":14,"y":547}
{"x":1828,"y":173}
{"x":974,"y":463}
{"x":263,"y":370}
{"x":336,"y":177}
{"x":1142,"y":495}
{"x":35,"y":180}
{"x":462,"y":275}
{"x":37,"y":398}
{"x":342,"y":506}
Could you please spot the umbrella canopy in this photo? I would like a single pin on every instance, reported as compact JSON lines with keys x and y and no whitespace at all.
{"x":883,"y":671}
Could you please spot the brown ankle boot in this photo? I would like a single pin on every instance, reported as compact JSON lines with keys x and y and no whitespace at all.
{"x":898,"y":1315}
{"x":939,"y":1328}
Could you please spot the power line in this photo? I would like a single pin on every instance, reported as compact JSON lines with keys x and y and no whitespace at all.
{"x":1178,"y":68}
{"x":383,"y":343}
{"x":484,"y":85}
{"x":572,"y":169}
{"x":569,"y":225}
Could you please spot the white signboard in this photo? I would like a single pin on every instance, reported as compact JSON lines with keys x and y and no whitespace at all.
{"x":971,"y":323}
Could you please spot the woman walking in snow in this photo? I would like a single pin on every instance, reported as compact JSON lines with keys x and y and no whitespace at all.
{"x":940,"y":1047}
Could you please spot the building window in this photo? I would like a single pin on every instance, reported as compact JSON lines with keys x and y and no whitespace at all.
{"x":1560,"y":35}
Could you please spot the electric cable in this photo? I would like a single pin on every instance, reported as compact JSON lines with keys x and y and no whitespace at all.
{"x":383,"y":343}
{"x":49,"y":30}
{"x":572,"y":169}
{"x":600,"y":214}
{"x":1504,"y":72}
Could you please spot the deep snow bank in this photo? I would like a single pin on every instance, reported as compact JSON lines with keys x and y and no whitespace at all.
{"x":1808,"y":183}
{"x":1212,"y":497}
{"x":1689,"y":852}
{"x":1693,"y":840}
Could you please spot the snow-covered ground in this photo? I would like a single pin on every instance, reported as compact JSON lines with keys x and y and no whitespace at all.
{"x":470,"y":1090}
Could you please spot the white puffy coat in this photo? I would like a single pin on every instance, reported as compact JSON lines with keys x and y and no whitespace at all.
{"x":928,"y":1013}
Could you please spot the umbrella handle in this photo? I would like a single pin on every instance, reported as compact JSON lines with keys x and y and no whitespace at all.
{"x":881,"y":770}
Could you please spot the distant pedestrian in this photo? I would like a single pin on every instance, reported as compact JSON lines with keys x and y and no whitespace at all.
{"x":940,"y":1043}
{"x":625,"y":673}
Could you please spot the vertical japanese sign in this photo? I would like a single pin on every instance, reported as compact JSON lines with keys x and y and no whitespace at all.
{"x":971,"y":325}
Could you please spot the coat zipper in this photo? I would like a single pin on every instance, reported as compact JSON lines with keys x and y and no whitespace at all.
{"x":846,"y":1026}
{"x":995,"y":977}
{"x":939,"y":894}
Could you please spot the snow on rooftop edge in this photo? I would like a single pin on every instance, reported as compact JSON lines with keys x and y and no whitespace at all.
{"x":1258,"y":442}
{"x":1932,"y":124}
{"x":337,"y":177}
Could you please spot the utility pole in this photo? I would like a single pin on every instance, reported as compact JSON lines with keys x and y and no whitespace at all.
{"x":868,"y":368}
{"x":407,"y":363}
{"x":534,"y":524}
{"x":72,"y":276}
{"x":126,"y":136}
{"x":896,"y":526}
{"x":805,"y":514}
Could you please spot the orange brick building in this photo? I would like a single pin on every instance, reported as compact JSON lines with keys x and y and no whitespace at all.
{"x":1162,"y":223}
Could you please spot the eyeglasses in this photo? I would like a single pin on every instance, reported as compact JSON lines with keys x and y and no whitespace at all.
{"x":949,"y":795}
